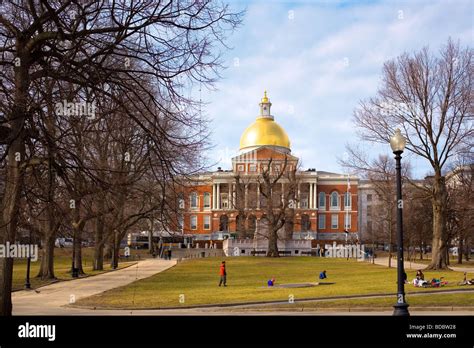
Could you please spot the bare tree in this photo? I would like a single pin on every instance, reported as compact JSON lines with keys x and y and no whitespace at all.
{"x":430,"y":99}
{"x":277,"y":201}
{"x":103,"y":46}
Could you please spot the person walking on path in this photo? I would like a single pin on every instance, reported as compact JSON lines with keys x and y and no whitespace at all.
{"x":223,"y":274}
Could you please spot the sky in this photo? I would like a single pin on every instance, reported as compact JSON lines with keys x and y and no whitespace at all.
{"x":318,"y":60}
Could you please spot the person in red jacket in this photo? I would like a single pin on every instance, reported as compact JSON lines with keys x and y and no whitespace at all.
{"x":223,"y":274}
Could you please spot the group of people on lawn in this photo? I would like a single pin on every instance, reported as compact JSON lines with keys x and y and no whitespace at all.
{"x":419,"y":280}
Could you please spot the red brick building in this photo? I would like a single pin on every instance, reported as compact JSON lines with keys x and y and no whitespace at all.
{"x":325,"y":204}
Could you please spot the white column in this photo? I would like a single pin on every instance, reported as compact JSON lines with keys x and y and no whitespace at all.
{"x":314,"y":196}
{"x":229,"y":197}
{"x":218,"y":196}
{"x":213,"y":196}
{"x":234,"y":195}
{"x":310,"y":196}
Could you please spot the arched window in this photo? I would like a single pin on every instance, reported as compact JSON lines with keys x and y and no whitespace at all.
{"x":194,"y":200}
{"x":334,"y":201}
{"x":347,"y":199}
{"x":322,"y":200}
{"x":207,"y":200}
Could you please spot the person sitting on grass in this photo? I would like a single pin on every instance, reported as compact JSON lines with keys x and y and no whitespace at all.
{"x":465,"y":281}
{"x":322,"y":275}
{"x":271,"y":282}
{"x":420,"y":275}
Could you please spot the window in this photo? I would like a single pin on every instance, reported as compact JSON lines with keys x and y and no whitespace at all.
{"x":194,"y":200}
{"x":207,"y":222}
{"x":304,"y":202}
{"x":334,"y":201}
{"x":347,"y":199}
{"x":347,"y":224}
{"x":334,"y":221}
{"x":322,"y":221}
{"x":193,"y":222}
{"x":252,"y":168}
{"x":180,"y":222}
{"x":224,"y":201}
{"x":369,"y":197}
{"x":207,"y":200}
{"x":322,"y":200}
{"x":240,"y":168}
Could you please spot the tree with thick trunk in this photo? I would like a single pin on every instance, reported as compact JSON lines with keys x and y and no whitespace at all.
{"x":429,"y":97}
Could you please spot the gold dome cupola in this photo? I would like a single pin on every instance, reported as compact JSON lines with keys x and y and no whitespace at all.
{"x":264,"y":131}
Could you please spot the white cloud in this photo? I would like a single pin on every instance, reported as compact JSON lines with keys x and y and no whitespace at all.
{"x":319,"y":65}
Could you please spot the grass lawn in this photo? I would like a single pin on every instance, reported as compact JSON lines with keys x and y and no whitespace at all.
{"x":62,"y":267}
{"x":432,"y":300}
{"x":197,"y":280}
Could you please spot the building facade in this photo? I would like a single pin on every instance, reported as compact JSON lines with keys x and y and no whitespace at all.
{"x":321,"y":206}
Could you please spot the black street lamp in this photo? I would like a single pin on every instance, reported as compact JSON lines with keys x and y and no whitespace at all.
{"x":28,"y":267}
{"x":397,"y":142}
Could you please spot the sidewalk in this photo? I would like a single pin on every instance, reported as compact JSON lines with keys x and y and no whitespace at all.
{"x":383,"y":261}
{"x":51,"y":299}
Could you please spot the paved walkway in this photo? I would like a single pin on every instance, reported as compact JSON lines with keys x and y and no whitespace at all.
{"x":415,"y":266}
{"x":51,"y":299}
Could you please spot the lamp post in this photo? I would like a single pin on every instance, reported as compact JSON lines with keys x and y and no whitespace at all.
{"x":28,"y":266}
{"x":397,"y":142}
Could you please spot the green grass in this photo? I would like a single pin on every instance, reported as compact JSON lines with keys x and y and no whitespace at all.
{"x":62,"y":268}
{"x":197,"y":280}
{"x":432,"y":300}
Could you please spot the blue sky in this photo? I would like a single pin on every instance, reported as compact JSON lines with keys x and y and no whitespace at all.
{"x":317,"y":60}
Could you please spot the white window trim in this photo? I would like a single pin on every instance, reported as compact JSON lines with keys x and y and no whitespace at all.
{"x":322,"y":218}
{"x":347,"y":221}
{"x":204,"y":222}
{"x":191,"y":201}
{"x":204,"y":201}
{"x":191,"y":222}
{"x":337,"y":222}
{"x":350,"y":200}
{"x":338,"y":207}
{"x":319,"y":200}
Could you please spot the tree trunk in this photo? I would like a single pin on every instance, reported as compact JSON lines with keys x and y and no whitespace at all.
{"x":273,"y":243}
{"x":438,"y":252}
{"x":78,"y":251}
{"x":46,"y":270}
{"x":13,"y":181}
{"x":460,"y":250}
{"x":115,"y":251}
{"x":98,"y":238}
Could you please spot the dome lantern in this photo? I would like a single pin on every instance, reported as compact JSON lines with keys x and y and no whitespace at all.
{"x":265,"y":106}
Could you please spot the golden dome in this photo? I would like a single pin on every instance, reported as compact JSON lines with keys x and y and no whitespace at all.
{"x":264,"y":131}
